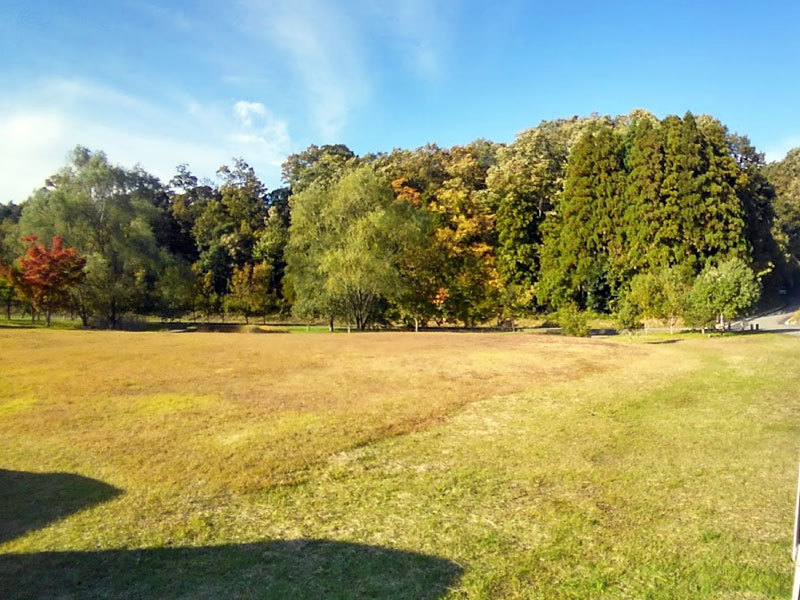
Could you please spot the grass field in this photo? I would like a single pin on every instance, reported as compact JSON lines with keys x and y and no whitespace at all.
{"x":397,"y":465}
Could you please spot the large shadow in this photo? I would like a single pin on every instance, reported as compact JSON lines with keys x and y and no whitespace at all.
{"x":31,"y":501}
{"x":295,"y":570}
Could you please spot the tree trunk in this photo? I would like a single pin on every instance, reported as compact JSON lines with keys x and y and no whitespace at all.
{"x":416,"y":324}
{"x":246,"y":319}
{"x":84,"y":315}
{"x":112,"y":316}
{"x":47,"y":318}
{"x":330,"y":323}
{"x":8,"y":309}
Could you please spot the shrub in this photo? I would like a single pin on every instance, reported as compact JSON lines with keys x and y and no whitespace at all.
{"x":573,"y":321}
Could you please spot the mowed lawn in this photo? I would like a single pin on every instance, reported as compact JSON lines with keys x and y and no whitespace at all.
{"x":396,"y":465}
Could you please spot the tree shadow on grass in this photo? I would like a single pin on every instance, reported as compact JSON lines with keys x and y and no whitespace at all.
{"x":31,"y":501}
{"x":295,"y":569}
{"x":291,"y":569}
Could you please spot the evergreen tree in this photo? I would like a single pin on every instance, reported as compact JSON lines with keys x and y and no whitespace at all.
{"x":644,"y":211}
{"x":583,"y":255}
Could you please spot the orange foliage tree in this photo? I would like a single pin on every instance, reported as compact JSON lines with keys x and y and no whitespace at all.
{"x":45,"y":276}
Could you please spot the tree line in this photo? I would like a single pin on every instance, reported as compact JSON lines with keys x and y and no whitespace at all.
{"x":635,"y":216}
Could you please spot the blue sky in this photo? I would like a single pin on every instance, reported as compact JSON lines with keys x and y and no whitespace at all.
{"x":199,"y":82}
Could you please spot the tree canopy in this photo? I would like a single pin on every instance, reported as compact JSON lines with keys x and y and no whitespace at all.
{"x":619,"y":215}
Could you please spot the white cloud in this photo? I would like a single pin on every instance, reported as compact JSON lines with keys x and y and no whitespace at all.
{"x":779,"y":150}
{"x":247,"y":110}
{"x":25,"y":134}
{"x":259,"y":130}
{"x":324,"y":46}
{"x":38,"y":129}
{"x":331,"y":47}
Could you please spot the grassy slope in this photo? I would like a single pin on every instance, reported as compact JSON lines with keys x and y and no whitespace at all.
{"x":493,"y":465}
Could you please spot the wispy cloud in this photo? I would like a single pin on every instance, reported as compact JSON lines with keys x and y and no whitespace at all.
{"x":40,"y":126}
{"x":331,"y":47}
{"x":260,"y":131}
{"x":323,"y":44}
{"x":420,"y":32}
{"x":173,"y":17}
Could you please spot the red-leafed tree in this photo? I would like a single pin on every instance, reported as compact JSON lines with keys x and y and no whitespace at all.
{"x":45,"y":276}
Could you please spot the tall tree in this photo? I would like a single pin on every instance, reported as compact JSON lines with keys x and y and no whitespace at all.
{"x":583,"y":253}
{"x":784,"y":176}
{"x":344,"y":248}
{"x":465,"y":230}
{"x":317,"y":165}
{"x":526,"y":182}
{"x":270,"y":246}
{"x":645,"y":212}
{"x":228,"y":228}
{"x":93,"y":204}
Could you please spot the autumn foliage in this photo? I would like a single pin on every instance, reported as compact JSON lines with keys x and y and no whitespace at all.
{"x":45,"y":276}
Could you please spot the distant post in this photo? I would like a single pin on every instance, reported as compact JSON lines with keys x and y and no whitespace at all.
{"x":796,"y":544}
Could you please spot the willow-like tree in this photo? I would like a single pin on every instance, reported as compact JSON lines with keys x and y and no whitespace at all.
{"x":345,"y":247}
{"x":93,"y":204}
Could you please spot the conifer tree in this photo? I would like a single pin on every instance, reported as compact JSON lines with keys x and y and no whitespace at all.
{"x":583,"y":258}
{"x":644,"y":210}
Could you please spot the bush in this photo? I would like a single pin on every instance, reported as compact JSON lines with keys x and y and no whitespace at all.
{"x":573,"y":321}
{"x":628,"y":318}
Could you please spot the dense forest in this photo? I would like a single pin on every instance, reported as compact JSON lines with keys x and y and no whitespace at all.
{"x":633,"y":216}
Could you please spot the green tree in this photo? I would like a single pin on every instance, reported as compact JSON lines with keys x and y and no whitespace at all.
{"x":645,"y":214}
{"x":228,"y":228}
{"x":583,"y":258}
{"x":784,"y":176}
{"x":345,"y":247}
{"x":206,"y":300}
{"x":629,"y":318}
{"x":661,"y":294}
{"x":317,"y":165}
{"x":573,"y":321}
{"x":94,"y":205}
{"x":271,"y":244}
{"x":526,"y":181}
{"x":250,"y":292}
{"x":721,"y":293}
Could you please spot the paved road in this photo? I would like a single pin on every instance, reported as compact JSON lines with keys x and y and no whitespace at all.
{"x":776,"y":321}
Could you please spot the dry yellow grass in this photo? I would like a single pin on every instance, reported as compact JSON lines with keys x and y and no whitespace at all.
{"x":246,"y":411}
